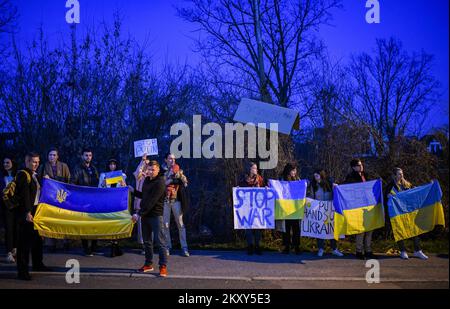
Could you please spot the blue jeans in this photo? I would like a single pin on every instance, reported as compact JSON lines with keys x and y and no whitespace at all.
{"x":154,"y":225}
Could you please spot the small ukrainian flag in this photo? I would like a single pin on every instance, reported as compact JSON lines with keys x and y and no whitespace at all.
{"x":113,"y":177}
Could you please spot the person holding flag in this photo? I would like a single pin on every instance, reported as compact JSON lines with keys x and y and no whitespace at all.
{"x":399,"y":184}
{"x":363,"y":240}
{"x":113,"y":179}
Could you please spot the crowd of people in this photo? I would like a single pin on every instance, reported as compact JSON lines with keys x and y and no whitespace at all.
{"x":159,"y":192}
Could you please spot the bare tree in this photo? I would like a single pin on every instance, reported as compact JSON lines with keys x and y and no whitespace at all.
{"x":8,"y":18}
{"x":268,"y":41}
{"x":393,"y":90}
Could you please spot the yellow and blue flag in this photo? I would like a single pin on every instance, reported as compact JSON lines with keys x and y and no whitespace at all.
{"x":113,"y":177}
{"x":416,"y":211}
{"x":358,"y":208}
{"x":290,"y":198}
{"x":77,"y":212}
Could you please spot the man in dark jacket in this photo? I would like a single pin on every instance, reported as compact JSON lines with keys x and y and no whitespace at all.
{"x":151,"y":213}
{"x":363,"y":240}
{"x":28,"y":190}
{"x":86,"y":174}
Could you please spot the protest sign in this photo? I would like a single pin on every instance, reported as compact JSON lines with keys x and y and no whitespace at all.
{"x":253,"y":208}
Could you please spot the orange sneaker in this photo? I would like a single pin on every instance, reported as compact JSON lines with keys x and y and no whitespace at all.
{"x":163,"y":271}
{"x":146,"y":268}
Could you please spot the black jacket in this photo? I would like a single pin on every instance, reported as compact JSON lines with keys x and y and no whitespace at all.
{"x":355,"y":177}
{"x":81,"y":176}
{"x":26,"y":193}
{"x":152,"y":196}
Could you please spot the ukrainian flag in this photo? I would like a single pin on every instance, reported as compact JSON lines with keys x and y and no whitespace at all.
{"x":76,"y":212}
{"x":358,"y":208}
{"x":113,"y":177}
{"x":290,"y":198}
{"x":416,"y":211}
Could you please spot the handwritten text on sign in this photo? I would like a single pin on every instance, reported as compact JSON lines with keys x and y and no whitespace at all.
{"x":254,"y":208}
{"x":318,"y":221}
{"x":145,"y":146}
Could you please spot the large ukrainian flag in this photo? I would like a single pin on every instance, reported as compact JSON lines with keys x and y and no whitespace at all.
{"x":76,"y":212}
{"x":416,"y":211}
{"x":290,"y":198}
{"x":358,"y":208}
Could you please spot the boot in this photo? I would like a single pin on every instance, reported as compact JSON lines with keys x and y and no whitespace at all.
{"x":118,"y":251}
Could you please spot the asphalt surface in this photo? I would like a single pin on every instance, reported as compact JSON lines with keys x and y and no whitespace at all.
{"x":234,"y":269}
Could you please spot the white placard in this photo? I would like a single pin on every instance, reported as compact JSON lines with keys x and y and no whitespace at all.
{"x":145,"y":146}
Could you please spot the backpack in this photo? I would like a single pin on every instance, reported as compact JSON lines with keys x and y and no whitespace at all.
{"x":9,"y":196}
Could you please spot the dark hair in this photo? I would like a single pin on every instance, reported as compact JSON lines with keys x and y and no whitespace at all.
{"x":354,"y":162}
{"x":13,"y":168}
{"x":287,"y":170}
{"x":31,"y":154}
{"x":86,"y":149}
{"x":52,"y":149}
{"x":248,"y":167}
{"x":112,"y":160}
{"x":153,"y":163}
{"x":168,"y":154}
{"x":325,"y":183}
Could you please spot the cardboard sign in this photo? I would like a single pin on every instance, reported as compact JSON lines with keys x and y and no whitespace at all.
{"x":257,"y":112}
{"x":145,"y":146}
{"x":253,"y":208}
{"x":318,"y":220}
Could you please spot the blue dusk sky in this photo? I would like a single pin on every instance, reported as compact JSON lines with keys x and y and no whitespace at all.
{"x":419,"y":24}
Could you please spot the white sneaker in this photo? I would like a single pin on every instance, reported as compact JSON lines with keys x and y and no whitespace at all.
{"x":404,"y":255}
{"x":420,"y":255}
{"x":337,"y":252}
{"x":167,"y":252}
{"x":10,"y":258}
{"x":185,"y":253}
{"x":14,"y":252}
{"x":320,"y":252}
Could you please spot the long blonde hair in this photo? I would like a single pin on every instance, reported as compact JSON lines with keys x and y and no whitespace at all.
{"x":403,"y":182}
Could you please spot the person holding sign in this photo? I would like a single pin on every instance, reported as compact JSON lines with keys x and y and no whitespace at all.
{"x":110,"y":180}
{"x":396,"y":185}
{"x":321,"y":189}
{"x":286,"y":226}
{"x":251,"y":178}
{"x":140,"y":174}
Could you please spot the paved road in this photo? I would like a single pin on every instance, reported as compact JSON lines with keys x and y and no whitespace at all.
{"x":234,"y":269}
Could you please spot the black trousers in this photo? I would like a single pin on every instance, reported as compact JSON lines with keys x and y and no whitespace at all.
{"x":11,"y":227}
{"x":28,"y":240}
{"x":87,"y":248}
{"x":292,"y":241}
